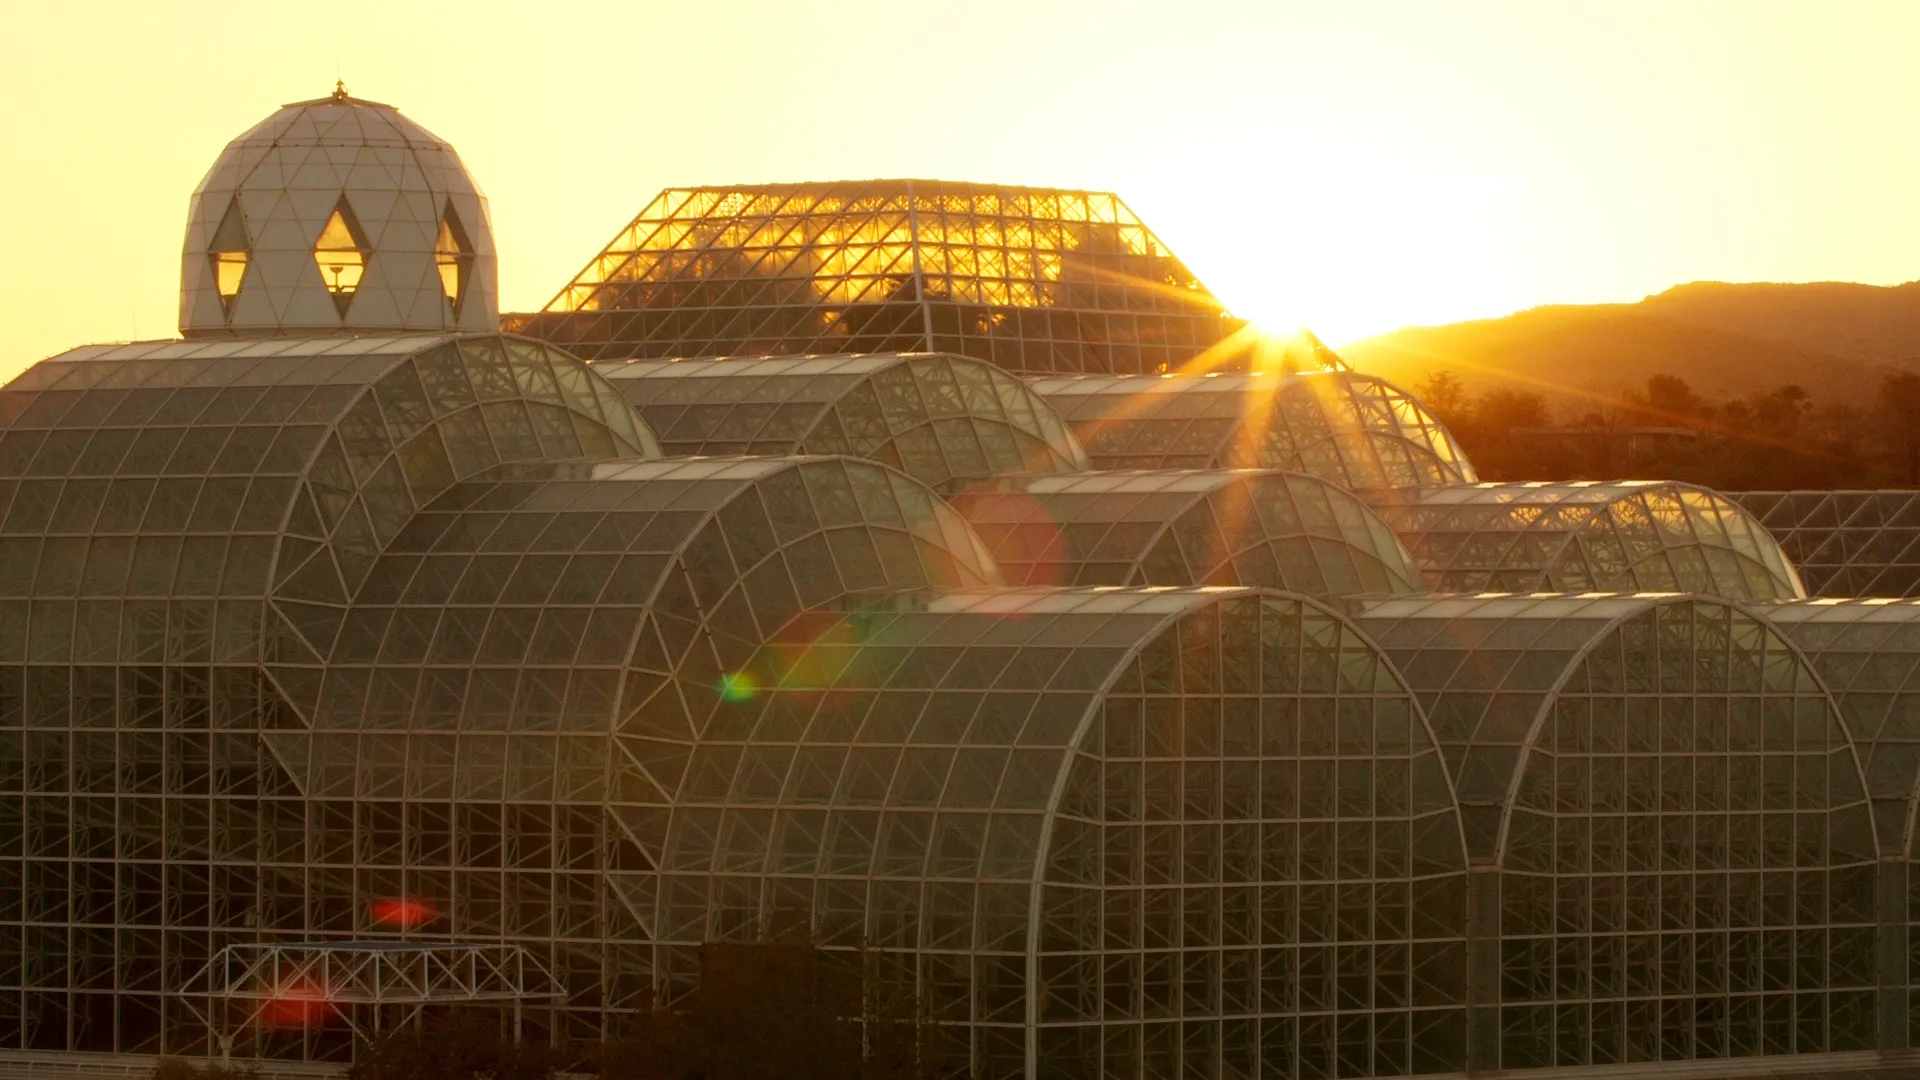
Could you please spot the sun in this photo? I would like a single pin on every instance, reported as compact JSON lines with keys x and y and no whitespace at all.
{"x":1364,"y":242}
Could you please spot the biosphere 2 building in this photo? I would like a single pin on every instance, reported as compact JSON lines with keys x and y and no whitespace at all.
{"x":935,"y":567}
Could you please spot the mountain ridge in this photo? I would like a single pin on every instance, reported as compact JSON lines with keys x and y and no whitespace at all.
{"x":1837,"y":340}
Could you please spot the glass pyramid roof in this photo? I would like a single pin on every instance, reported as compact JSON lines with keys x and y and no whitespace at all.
{"x":1032,"y":279}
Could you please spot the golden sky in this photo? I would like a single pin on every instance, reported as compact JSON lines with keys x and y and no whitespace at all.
{"x":1348,"y":166}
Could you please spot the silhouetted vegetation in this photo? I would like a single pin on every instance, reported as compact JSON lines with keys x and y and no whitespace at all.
{"x":175,"y":1069}
{"x":454,"y":1046}
{"x":778,"y":1008}
{"x":1767,"y":439}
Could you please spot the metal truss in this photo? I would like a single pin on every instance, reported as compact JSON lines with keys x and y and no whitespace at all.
{"x":245,"y":984}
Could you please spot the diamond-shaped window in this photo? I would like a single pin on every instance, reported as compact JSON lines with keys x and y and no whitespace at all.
{"x":453,"y":254}
{"x":228,"y":255}
{"x":341,"y":254}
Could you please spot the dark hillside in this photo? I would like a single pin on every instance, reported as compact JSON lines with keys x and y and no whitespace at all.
{"x":1565,"y":352}
{"x":1875,"y":323}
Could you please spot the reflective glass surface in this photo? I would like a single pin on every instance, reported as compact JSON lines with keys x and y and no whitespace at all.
{"x":1135,"y":694}
{"x":1678,"y":851}
{"x":528,"y":664}
{"x":1868,"y":653}
{"x":1358,"y":431}
{"x":1845,"y":543}
{"x":944,"y":420}
{"x":1186,"y":832}
{"x":1189,"y":527}
{"x":365,"y":640}
{"x":1578,"y":536}
{"x":181,"y":521}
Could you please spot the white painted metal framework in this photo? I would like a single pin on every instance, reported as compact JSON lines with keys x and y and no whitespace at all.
{"x":243,"y":983}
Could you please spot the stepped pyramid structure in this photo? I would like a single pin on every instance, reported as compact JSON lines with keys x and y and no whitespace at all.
{"x":1031,"y":279}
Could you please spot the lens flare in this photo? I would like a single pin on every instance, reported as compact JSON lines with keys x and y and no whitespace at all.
{"x":738,"y":686}
{"x":822,"y":656}
{"x":402,"y":912}
{"x":298,"y":1004}
{"x":1024,"y":539}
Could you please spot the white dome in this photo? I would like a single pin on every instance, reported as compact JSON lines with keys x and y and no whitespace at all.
{"x":337,"y":214}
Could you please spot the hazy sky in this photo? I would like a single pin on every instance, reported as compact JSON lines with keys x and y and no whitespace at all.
{"x":1348,"y":166}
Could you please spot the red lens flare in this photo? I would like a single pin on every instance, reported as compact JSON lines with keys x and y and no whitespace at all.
{"x":298,"y":1004}
{"x":402,"y":912}
{"x":1022,"y":536}
{"x":814,"y":652}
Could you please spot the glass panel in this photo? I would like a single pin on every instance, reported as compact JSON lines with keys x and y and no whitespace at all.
{"x":341,"y":254}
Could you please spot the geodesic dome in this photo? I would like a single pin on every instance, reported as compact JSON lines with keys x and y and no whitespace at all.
{"x":337,"y":214}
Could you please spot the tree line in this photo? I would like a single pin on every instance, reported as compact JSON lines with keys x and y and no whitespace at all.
{"x":1768,"y":439}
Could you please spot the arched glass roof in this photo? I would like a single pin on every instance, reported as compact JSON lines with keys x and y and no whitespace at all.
{"x":1356,"y":430}
{"x":1868,"y":653}
{"x":944,"y":420}
{"x":517,"y":621}
{"x":1227,"y":781}
{"x":1579,"y":536}
{"x":172,"y":512}
{"x":1845,"y":543}
{"x":1284,"y":530}
{"x":1494,"y":666}
{"x":214,"y":472}
{"x":1670,"y":799}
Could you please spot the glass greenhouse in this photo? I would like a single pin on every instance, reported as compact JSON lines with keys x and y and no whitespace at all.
{"x":184,"y":525}
{"x":1667,"y":825}
{"x":945,"y":420}
{"x":1283,"y":530}
{"x":1103,"y":716}
{"x":1358,"y":431}
{"x":1118,"y":832}
{"x":1029,"y":279}
{"x":1868,"y":653}
{"x":1574,"y":537}
{"x":1845,"y":543}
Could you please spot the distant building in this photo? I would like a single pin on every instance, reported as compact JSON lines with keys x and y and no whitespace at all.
{"x":1609,"y":447}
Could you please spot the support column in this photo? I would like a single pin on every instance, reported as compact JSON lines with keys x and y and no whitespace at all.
{"x":1483,"y":968}
{"x":1891,"y":907}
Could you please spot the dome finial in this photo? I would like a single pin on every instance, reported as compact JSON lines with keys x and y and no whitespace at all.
{"x":339,"y":90}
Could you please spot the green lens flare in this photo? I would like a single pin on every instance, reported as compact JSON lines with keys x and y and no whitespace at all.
{"x":737,"y":686}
